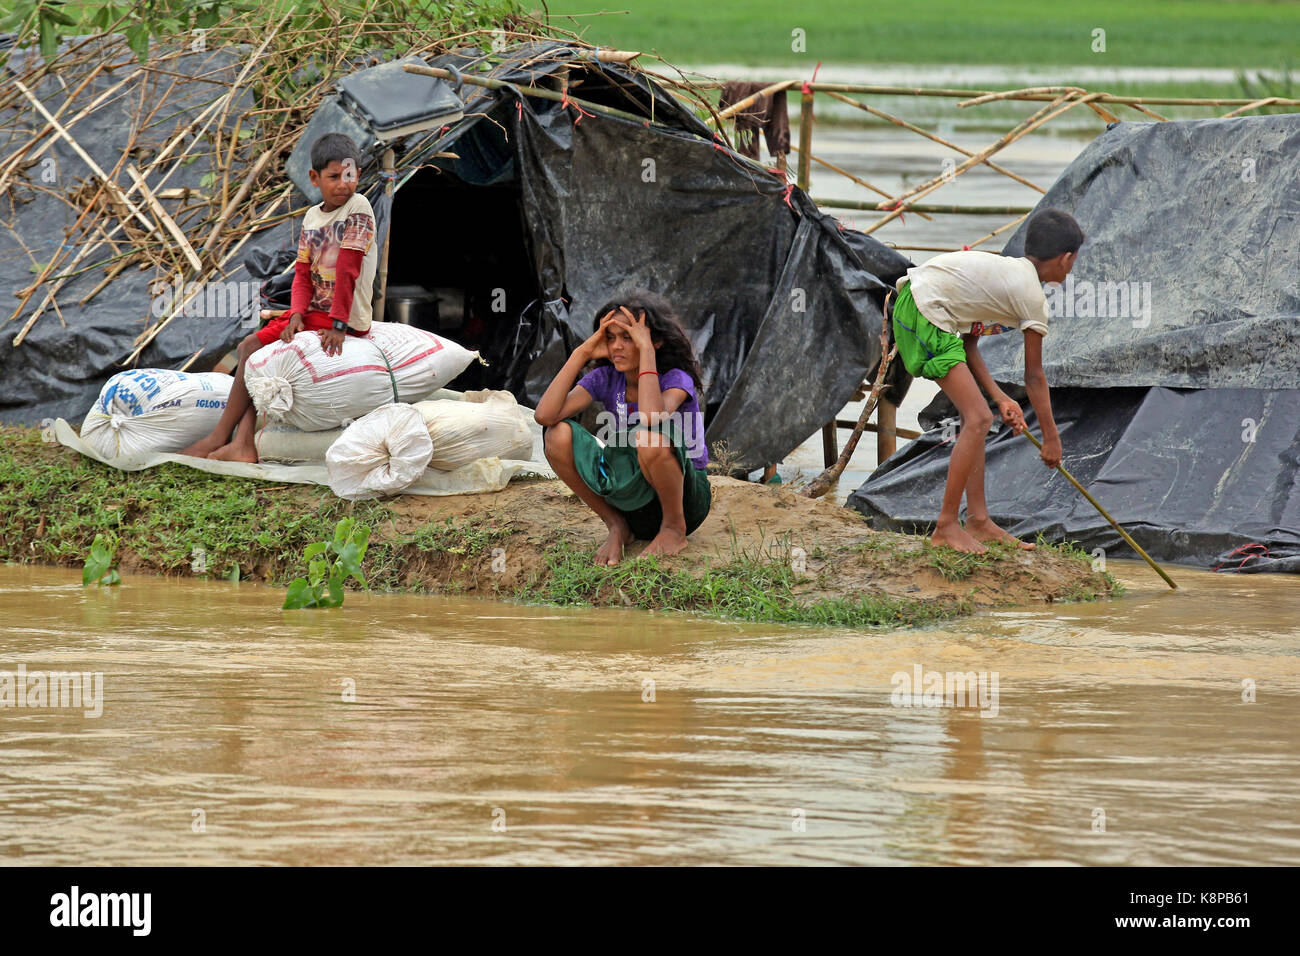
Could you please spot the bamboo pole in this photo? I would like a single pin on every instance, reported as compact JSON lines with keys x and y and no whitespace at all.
{"x":488,"y":83}
{"x":1054,"y":109}
{"x":1266,"y":101}
{"x":934,"y":208}
{"x":240,"y":195}
{"x":938,"y":139}
{"x":387,"y":166}
{"x":168,"y":223}
{"x":753,"y":98}
{"x":143,"y":340}
{"x":834,"y":468}
{"x":881,"y":90}
{"x":112,"y":187}
{"x":848,"y":175}
{"x":1105,"y":514}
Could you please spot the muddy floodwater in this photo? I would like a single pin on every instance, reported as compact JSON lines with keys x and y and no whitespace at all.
{"x":1157,"y":728}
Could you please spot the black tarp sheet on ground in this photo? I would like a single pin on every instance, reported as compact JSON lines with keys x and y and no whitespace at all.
{"x":782,"y":304}
{"x":59,"y":368}
{"x":1181,"y":415}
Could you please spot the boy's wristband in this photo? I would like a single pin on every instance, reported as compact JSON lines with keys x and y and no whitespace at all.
{"x":340,"y":325}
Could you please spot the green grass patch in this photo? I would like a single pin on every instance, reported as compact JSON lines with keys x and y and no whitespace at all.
{"x":748,"y":588}
{"x":1150,"y":33}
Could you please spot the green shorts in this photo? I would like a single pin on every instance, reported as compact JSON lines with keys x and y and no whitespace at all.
{"x":614,"y":472}
{"x":926,"y":351}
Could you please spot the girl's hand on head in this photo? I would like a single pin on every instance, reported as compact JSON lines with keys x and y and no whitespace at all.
{"x":636,"y":328}
{"x":596,"y":347}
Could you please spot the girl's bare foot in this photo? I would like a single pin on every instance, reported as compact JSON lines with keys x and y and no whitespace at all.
{"x":611,"y":552}
{"x":667,"y":541}
{"x":983,"y":529}
{"x":203,"y":447}
{"x":953,"y":535}
{"x":235,"y":452}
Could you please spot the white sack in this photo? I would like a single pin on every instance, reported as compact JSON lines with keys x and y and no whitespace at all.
{"x":297,"y":384}
{"x":466,"y":431}
{"x":145,"y":410}
{"x":380,"y":454}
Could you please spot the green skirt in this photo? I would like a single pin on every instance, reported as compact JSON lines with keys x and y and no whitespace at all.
{"x":613,"y":472}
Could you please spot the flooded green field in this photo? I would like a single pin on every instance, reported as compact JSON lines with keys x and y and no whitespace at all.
{"x":414,"y":729}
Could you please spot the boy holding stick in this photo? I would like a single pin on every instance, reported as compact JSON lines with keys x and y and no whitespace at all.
{"x":942,"y":309}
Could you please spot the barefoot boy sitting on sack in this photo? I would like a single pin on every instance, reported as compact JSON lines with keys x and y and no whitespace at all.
{"x":942,"y":309}
{"x":331,"y":293}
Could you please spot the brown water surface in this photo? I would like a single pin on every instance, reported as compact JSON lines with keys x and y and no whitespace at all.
{"x":217,"y":701}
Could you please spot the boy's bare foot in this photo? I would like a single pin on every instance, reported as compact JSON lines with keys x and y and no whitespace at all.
{"x":985,"y":530}
{"x":667,"y":541}
{"x":611,"y":552}
{"x":203,"y":447}
{"x":234,"y":452}
{"x":953,"y":535}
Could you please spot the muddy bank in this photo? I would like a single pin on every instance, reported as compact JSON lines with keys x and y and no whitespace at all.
{"x":764,"y":553}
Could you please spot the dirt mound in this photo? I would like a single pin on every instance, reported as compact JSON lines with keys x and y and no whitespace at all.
{"x":831,"y":547}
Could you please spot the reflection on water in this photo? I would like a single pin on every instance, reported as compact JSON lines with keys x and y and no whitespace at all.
{"x":217,"y":701}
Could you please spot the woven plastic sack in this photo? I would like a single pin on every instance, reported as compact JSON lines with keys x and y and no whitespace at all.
{"x":463,"y":432}
{"x":297,"y":384}
{"x":379,"y":454}
{"x":149,"y":410}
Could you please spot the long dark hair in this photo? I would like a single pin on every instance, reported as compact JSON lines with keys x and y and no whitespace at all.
{"x":676,"y":350}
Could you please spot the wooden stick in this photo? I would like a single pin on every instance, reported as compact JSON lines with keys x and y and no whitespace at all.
{"x":536,"y":91}
{"x":750,"y":100}
{"x":1014,"y":222}
{"x":1048,"y":112}
{"x":861,"y":182}
{"x":939,"y":208}
{"x":1017,"y":94}
{"x":112,"y":187}
{"x":823,"y":482}
{"x":387,"y":166}
{"x":938,"y":139}
{"x":168,"y":223}
{"x":1267,"y":101}
{"x":1113,"y":523}
{"x":1151,"y":113}
{"x":240,"y":195}
{"x":143,"y":340}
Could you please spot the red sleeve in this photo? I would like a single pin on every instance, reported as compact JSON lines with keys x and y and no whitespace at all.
{"x":346,"y":270}
{"x":300,"y":297}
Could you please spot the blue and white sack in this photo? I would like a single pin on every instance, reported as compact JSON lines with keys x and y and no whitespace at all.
{"x":148,"y":410}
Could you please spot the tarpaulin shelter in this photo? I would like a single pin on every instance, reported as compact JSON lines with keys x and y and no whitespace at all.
{"x":1173,"y":355}
{"x":543,"y":212}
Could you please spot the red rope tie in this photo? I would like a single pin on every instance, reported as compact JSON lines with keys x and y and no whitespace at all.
{"x":519,"y":109}
{"x":965,"y":248}
{"x":1248,"y":550}
{"x":789,"y":189}
{"x":565,"y":103}
{"x":891,"y":207}
{"x":806,"y":88}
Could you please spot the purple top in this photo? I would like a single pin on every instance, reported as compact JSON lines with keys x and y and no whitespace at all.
{"x":608,"y":386}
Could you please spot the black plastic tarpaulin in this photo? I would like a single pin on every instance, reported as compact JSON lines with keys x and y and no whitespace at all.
{"x":1198,"y":476}
{"x":782,"y":303}
{"x":73,"y":348}
{"x":1180,"y":413}
{"x":1190,"y":274}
